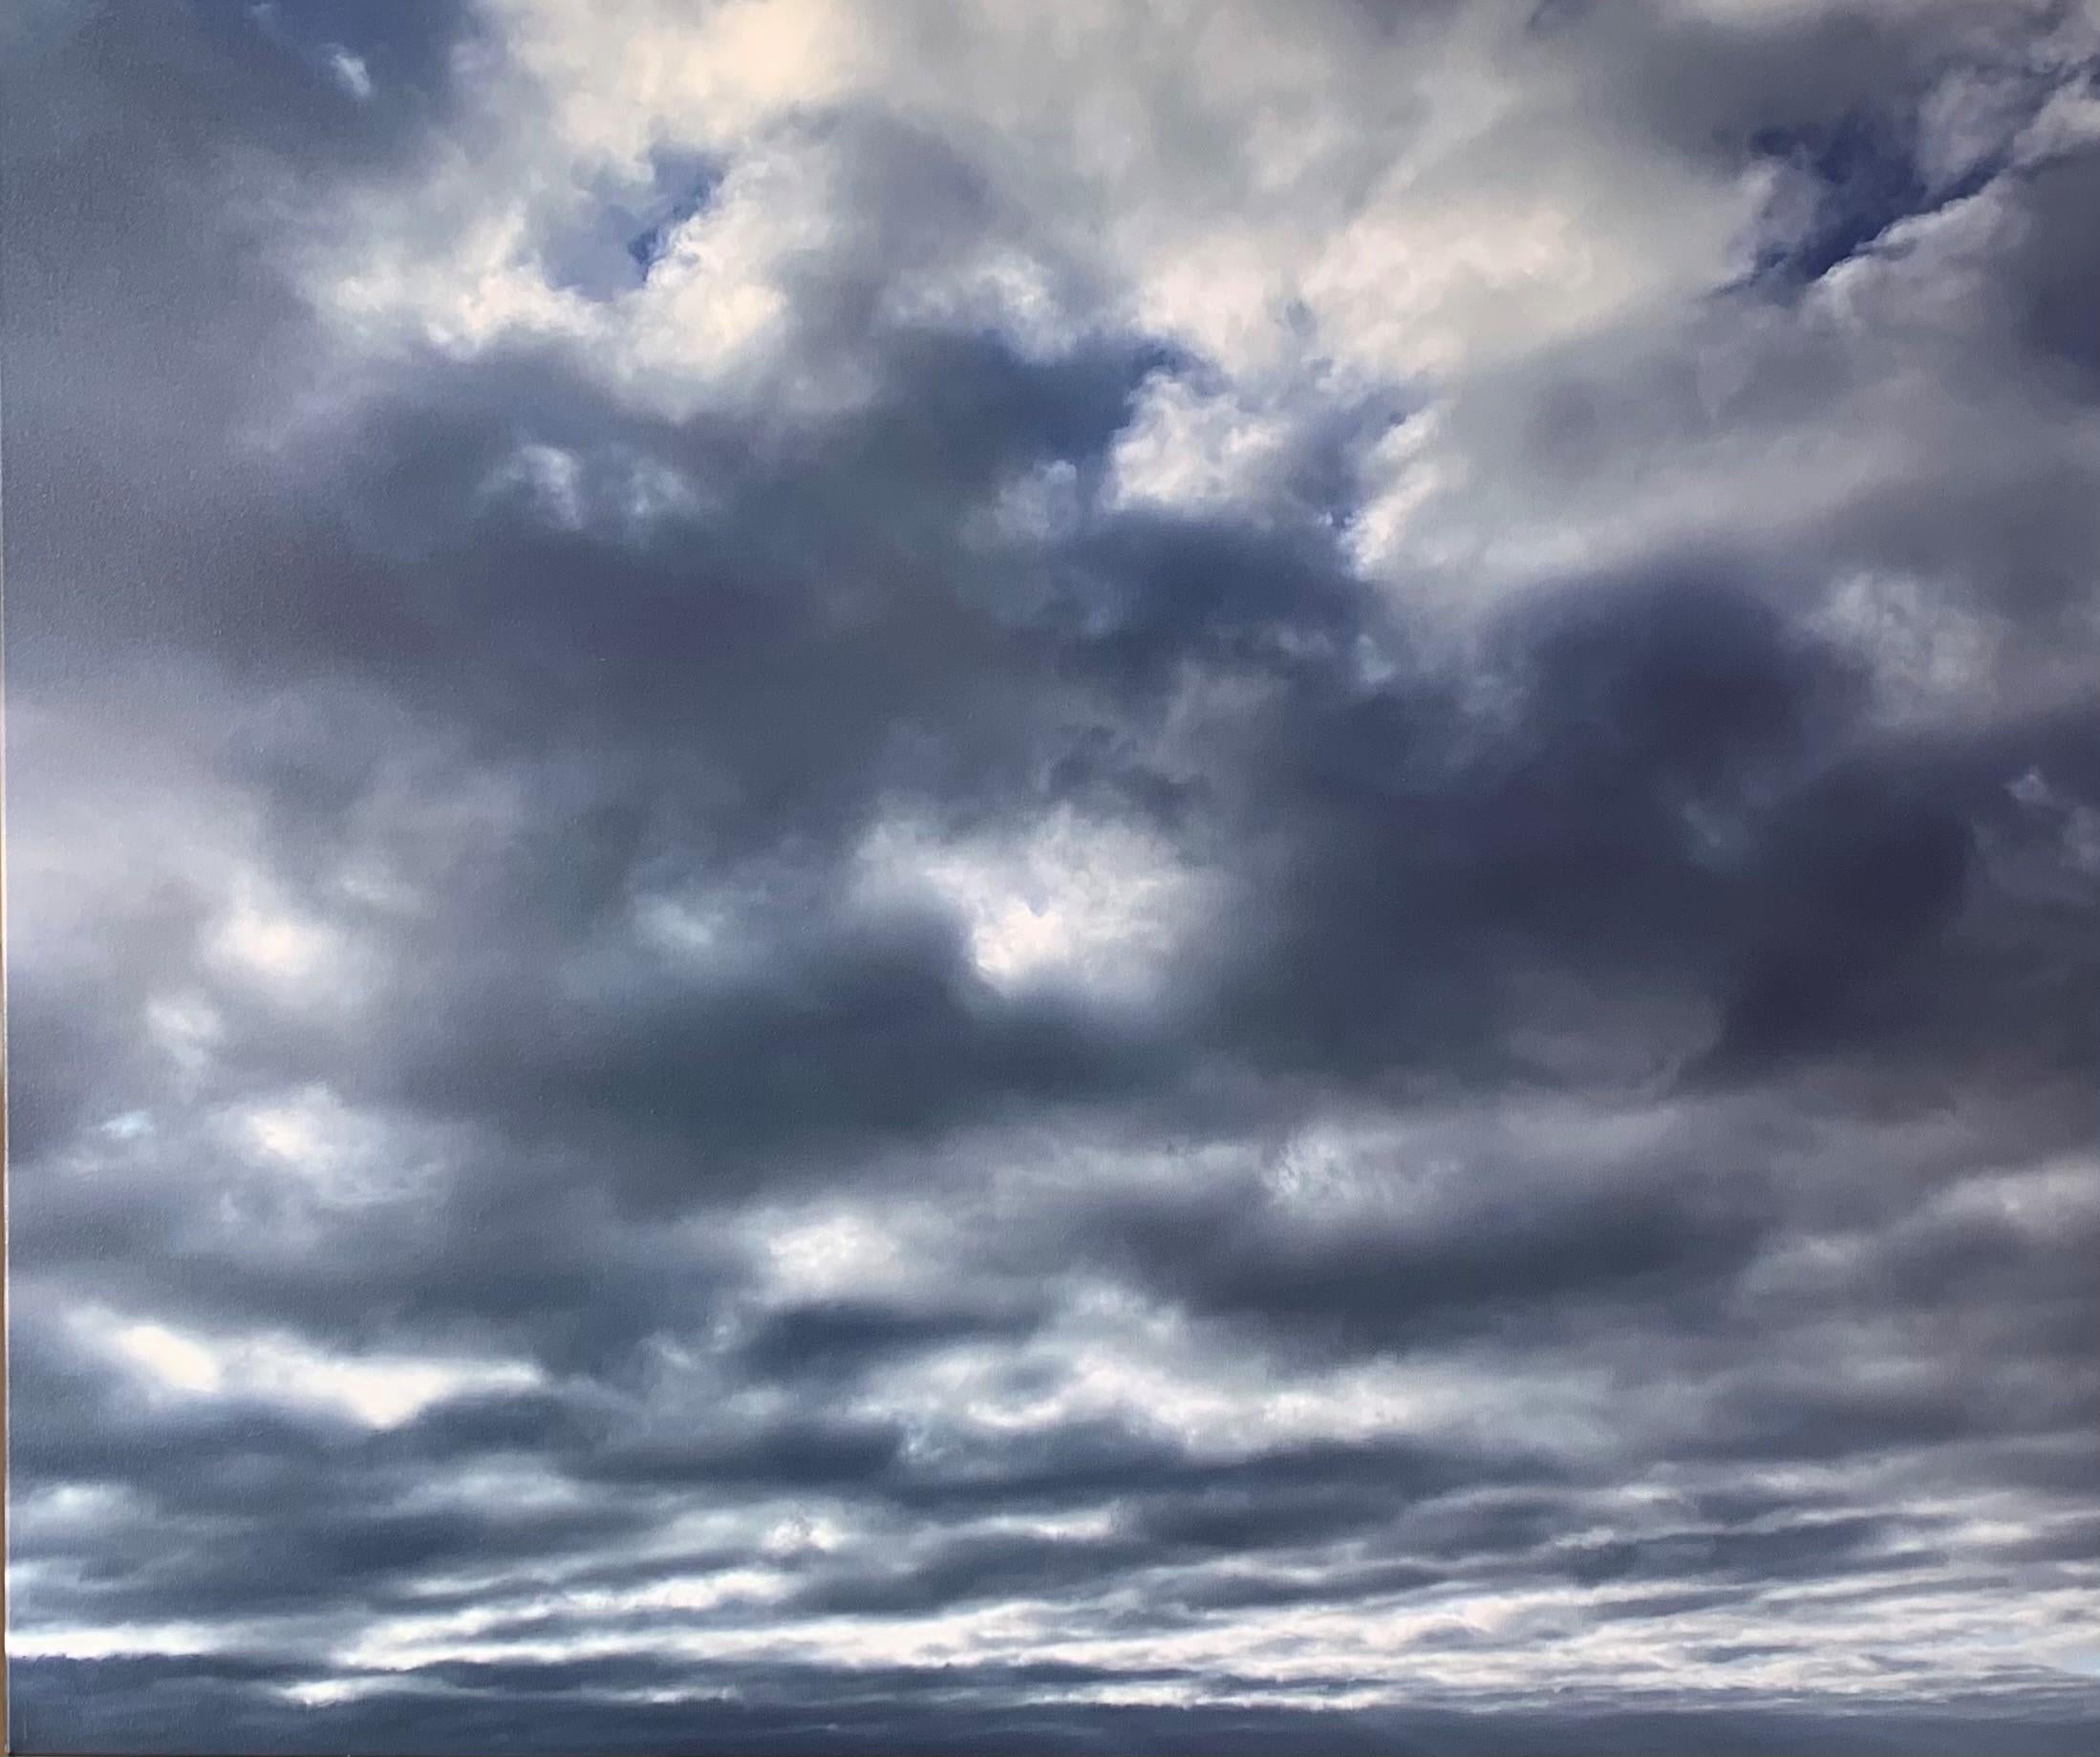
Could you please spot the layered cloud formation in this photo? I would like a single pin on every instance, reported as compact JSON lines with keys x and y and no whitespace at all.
{"x":1173,"y":876}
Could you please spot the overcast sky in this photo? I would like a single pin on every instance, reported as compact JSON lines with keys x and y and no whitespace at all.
{"x":1138,"y":875}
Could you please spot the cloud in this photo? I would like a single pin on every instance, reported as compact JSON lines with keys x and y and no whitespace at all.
{"x":889,"y":876}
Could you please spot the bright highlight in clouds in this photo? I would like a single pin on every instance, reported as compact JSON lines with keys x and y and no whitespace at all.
{"x":1100,"y":905}
{"x":379,"y":1392}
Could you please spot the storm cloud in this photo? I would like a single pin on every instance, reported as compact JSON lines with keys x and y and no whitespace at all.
{"x":1119,"y":876}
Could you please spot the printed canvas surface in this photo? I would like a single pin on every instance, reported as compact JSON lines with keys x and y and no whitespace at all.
{"x":979,"y":876}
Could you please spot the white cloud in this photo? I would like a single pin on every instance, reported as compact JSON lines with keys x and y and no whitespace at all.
{"x":106,"y":1640}
{"x":1268,"y":194}
{"x":828,"y":1254}
{"x":379,"y":1391}
{"x":350,"y":72}
{"x":551,"y":477}
{"x":306,"y":1141}
{"x":276,"y":944}
{"x":1197,"y":454}
{"x":1931,"y":655}
{"x":1099,"y":904}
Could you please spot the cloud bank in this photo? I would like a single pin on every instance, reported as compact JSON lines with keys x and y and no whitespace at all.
{"x":1167,"y":876}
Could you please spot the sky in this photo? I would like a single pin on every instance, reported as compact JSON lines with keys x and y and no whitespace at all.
{"x":966,"y":875}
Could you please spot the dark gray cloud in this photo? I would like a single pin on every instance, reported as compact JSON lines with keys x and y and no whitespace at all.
{"x":884,"y":883}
